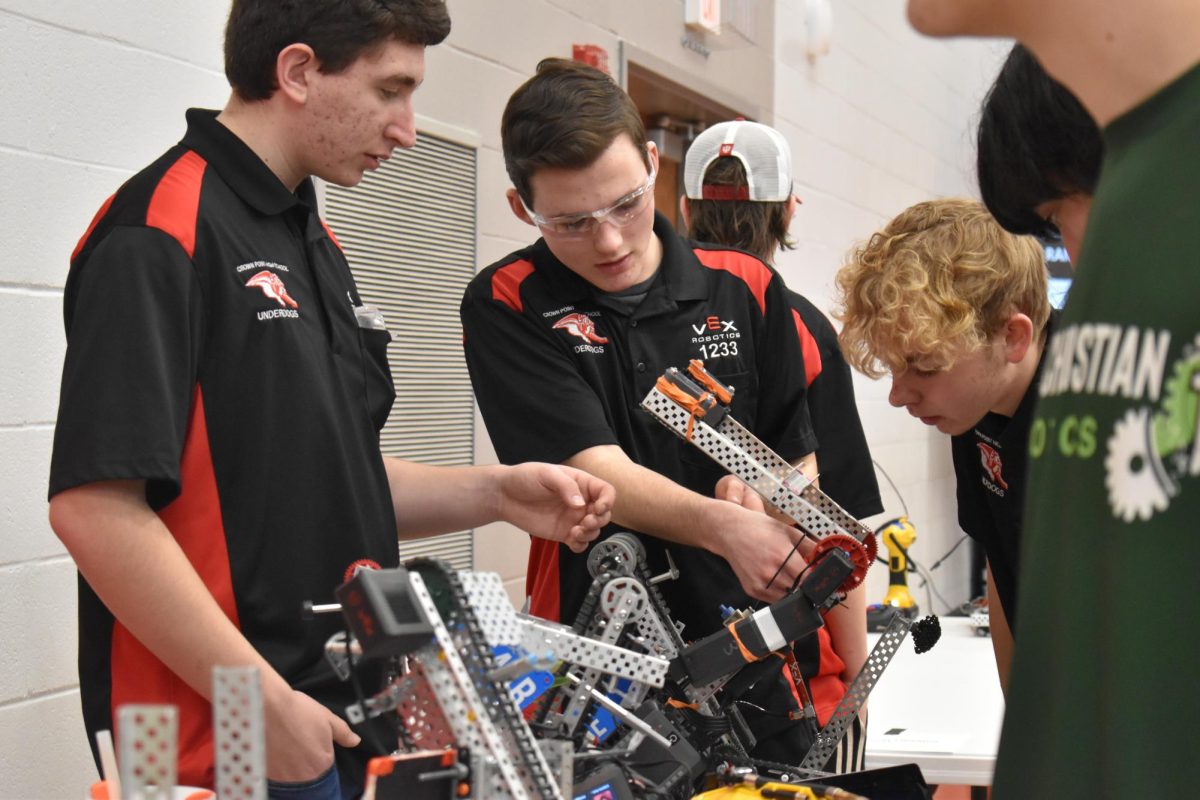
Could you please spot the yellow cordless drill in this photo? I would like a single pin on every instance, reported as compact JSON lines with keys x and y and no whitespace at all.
{"x":898,"y":535}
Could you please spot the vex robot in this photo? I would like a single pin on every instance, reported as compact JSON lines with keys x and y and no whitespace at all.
{"x":616,"y":704}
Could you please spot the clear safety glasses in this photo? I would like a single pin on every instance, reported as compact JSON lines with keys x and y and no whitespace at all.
{"x":620,"y":214}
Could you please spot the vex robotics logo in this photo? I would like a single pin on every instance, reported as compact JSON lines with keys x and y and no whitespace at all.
{"x":714,"y":324}
{"x":272,"y":287}
{"x":990,"y":458}
{"x":716,"y":337}
{"x":581,"y":325}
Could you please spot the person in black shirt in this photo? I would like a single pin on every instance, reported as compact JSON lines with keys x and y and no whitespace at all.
{"x":216,"y":460}
{"x":738,"y":192}
{"x":956,"y":309}
{"x":564,"y":339}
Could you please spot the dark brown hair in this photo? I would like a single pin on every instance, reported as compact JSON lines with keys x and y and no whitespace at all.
{"x":338,"y":31}
{"x":759,"y":228}
{"x":565,"y":117}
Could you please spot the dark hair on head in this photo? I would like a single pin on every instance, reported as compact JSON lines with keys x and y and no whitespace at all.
{"x":1036,"y":143}
{"x":759,"y":228}
{"x":565,"y":117}
{"x":338,"y":31}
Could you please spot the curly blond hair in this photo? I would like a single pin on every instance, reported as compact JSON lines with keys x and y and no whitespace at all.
{"x":936,"y":283}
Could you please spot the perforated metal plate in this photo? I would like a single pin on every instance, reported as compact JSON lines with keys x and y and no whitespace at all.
{"x":472,"y":719}
{"x":544,"y":640}
{"x":239,"y":738}
{"x":419,"y":707}
{"x":495,"y":613}
{"x":745,"y":456}
{"x":568,"y":646}
{"x":148,"y":737}
{"x":856,"y":694}
{"x":621,"y":606}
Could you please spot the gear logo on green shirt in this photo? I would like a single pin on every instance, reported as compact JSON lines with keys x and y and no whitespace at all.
{"x":1150,"y":452}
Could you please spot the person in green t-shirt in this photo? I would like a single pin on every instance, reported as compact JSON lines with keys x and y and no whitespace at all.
{"x":1101,"y":703}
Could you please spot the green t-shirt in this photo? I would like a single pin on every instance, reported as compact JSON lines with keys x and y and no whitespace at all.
{"x":1104,"y":699}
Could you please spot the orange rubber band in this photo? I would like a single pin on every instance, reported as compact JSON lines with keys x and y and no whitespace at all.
{"x":696,"y":369}
{"x":746,"y":654}
{"x":693,"y":405}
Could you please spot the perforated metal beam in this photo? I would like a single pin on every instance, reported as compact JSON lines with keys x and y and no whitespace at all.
{"x":741,"y":453}
{"x":856,"y":694}
{"x":239,"y":734}
{"x":501,"y":624}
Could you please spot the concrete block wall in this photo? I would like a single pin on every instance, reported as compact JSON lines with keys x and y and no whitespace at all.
{"x":94,"y":91}
{"x":885,"y":120}
{"x":91,"y":92}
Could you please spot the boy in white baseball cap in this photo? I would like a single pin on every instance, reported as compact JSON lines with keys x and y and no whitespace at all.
{"x":737,"y":179}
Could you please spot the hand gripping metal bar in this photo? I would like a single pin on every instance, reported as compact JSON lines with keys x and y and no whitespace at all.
{"x":742,"y":454}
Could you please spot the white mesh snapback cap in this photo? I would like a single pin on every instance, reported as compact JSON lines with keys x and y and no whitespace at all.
{"x":764,"y":154}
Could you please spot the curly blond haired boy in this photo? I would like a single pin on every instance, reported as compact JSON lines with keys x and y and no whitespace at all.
{"x":955,"y":309}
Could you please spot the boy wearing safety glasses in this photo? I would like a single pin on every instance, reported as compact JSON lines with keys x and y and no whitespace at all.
{"x":565,"y":337}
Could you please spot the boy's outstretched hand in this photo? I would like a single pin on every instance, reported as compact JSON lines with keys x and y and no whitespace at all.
{"x":555,"y":502}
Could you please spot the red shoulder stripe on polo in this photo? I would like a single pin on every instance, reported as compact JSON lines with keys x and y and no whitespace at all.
{"x":541,"y":579}
{"x":175,"y":203}
{"x":195,"y":521}
{"x":808,"y":346}
{"x":95,"y":221}
{"x":332,"y":238}
{"x":506,"y":283}
{"x":753,"y":272}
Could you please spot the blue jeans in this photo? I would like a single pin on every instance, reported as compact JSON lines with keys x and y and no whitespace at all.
{"x":326,"y":787}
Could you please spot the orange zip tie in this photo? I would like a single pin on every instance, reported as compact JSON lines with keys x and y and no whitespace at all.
{"x":693,"y":405}
{"x":673,"y":703}
{"x":696,"y":369}
{"x":746,"y":654}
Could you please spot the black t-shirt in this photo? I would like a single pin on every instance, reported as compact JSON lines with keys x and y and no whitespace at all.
{"x":214,"y":351}
{"x":844,"y":461}
{"x":990,"y":463}
{"x":557,"y":370}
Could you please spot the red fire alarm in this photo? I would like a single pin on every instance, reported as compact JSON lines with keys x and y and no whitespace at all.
{"x":591,"y":54}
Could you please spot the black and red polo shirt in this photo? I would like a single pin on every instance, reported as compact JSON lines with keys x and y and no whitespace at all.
{"x":990,"y":465}
{"x":847,"y":472}
{"x":213,"y":350}
{"x":557,"y":369}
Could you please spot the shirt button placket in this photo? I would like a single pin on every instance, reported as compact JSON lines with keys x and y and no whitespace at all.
{"x":640,"y":366}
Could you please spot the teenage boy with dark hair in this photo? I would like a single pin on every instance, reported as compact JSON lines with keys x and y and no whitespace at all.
{"x":955,"y":309}
{"x":1039,"y":154}
{"x":564,"y":338}
{"x":216,"y":461}
{"x":738,"y":192}
{"x":1113,"y":448}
